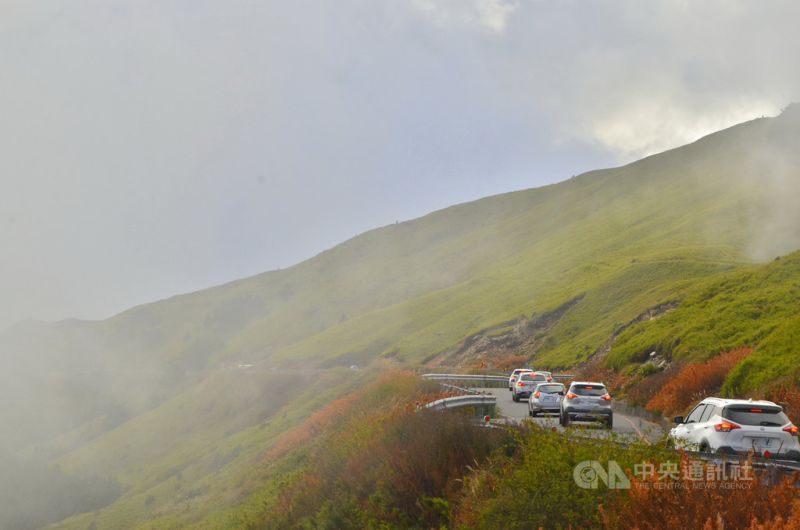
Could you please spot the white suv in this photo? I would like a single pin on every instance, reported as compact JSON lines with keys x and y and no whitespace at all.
{"x":737,"y":426}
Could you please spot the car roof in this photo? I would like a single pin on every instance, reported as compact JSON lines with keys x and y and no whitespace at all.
{"x":522,"y":370}
{"x":586,"y":383}
{"x":723,"y":402}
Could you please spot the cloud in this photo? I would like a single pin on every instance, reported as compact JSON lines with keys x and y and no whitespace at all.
{"x":155,"y":147}
{"x":487,"y":15}
{"x":647,"y":126}
{"x":638,"y":78}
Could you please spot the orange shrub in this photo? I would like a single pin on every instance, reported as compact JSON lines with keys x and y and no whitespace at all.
{"x":789,"y":396}
{"x":780,"y":523}
{"x":507,"y":362}
{"x":328,"y":415}
{"x":383,"y":467}
{"x":614,"y":381}
{"x":695,"y":381}
{"x":430,"y":398}
{"x":660,"y":504}
{"x":645,"y":389}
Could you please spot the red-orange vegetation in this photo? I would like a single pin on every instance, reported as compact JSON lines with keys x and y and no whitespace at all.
{"x":328,"y":415}
{"x":787,"y":395}
{"x":686,"y":503}
{"x":695,"y":381}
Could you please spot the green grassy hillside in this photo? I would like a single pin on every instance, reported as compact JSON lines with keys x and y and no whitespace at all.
{"x":414,"y":288}
{"x":154,"y":399}
{"x":752,"y":306}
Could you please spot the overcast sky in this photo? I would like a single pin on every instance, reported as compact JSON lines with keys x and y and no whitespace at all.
{"x":151,"y":147}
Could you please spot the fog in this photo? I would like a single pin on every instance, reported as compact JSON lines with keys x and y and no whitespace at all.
{"x":160,"y":147}
{"x":154,"y":147}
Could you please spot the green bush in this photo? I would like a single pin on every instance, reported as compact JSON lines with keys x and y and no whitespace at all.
{"x":535,"y":488}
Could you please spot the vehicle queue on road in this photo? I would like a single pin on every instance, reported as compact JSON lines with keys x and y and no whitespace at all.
{"x":714,"y":425}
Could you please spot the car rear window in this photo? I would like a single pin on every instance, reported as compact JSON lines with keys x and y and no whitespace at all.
{"x":532,"y":377}
{"x":519,"y":371}
{"x":755,"y":415}
{"x":589,"y":390}
{"x":550,"y":389}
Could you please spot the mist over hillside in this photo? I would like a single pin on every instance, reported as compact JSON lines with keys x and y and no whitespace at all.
{"x":605,"y":246}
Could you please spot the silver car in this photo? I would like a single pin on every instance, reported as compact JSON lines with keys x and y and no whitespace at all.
{"x":587,"y":401}
{"x":525,"y":384}
{"x":546,"y":397}
{"x":514,"y":375}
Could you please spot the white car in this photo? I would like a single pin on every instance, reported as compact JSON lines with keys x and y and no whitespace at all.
{"x":734,"y":426}
{"x":514,"y":375}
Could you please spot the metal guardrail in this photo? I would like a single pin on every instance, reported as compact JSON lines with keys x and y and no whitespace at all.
{"x":466,"y":377}
{"x":759,"y":462}
{"x":461,"y":401}
{"x":485,"y":378}
{"x":459,"y":388}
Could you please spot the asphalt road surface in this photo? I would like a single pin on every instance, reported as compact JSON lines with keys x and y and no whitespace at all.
{"x":624,"y":425}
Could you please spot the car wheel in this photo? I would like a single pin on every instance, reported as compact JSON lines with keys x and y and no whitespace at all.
{"x":515,"y":398}
{"x":610,"y":421}
{"x":533,"y":414}
{"x":704,"y":448}
{"x":565,"y":420}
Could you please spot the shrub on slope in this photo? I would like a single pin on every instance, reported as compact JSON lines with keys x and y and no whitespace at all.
{"x":696,"y":381}
{"x":663,"y":502}
{"x":534,"y":488}
{"x":376,"y":462}
{"x":787,"y":394}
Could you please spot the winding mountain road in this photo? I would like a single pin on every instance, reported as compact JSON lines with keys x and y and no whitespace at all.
{"x":625,"y":425}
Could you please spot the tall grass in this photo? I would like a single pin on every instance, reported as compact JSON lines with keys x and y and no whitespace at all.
{"x":696,"y":381}
{"x":663,"y":502}
{"x":788,"y":395}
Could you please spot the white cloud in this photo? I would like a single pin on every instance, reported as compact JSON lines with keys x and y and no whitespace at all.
{"x":644,"y":126}
{"x":488,"y":15}
{"x":153,"y":147}
{"x":634,"y":78}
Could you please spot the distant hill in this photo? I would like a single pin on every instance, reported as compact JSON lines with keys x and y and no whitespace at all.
{"x":413,"y":289}
{"x":672,"y":253}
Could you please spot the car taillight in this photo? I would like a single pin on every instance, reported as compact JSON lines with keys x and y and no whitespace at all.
{"x":606,"y":398}
{"x":725,"y":427}
{"x":792,"y":429}
{"x":570,"y":395}
{"x":538,"y":394}
{"x":520,"y":384}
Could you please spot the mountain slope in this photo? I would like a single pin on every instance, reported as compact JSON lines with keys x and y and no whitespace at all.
{"x":725,"y":199}
{"x":589,"y":256}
